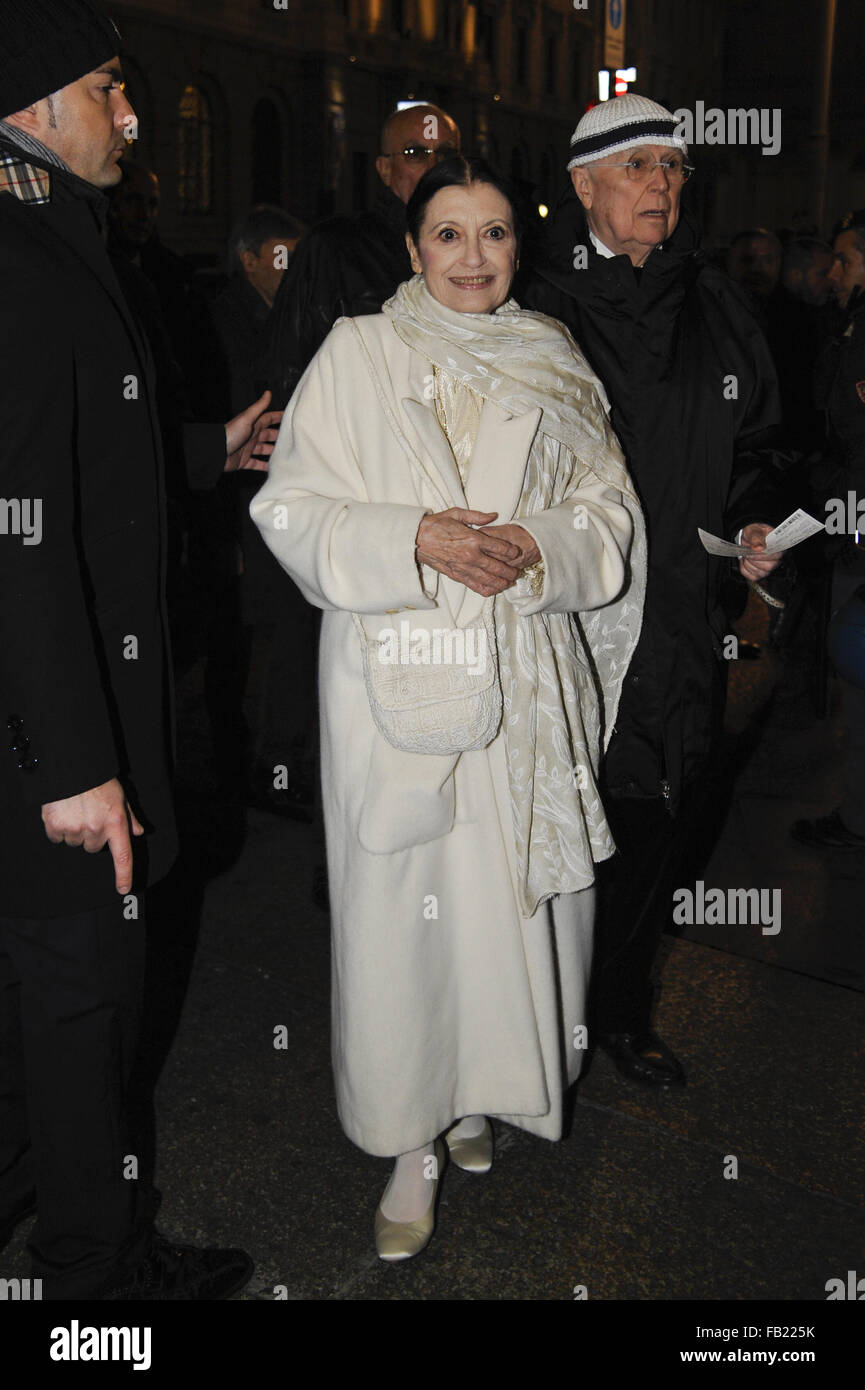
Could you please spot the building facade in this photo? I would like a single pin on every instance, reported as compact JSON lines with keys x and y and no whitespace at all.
{"x":772,"y":58}
{"x":243,"y":101}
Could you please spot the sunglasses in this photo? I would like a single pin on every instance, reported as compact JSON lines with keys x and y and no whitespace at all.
{"x":422,"y":154}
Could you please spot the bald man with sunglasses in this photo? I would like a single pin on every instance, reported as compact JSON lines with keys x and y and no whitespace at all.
{"x":352,"y":265}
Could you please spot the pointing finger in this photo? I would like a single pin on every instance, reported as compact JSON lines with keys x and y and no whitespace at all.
{"x":121,"y":852}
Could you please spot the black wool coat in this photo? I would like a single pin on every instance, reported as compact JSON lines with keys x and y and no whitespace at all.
{"x":83,"y":657}
{"x":841,"y":393}
{"x":693,"y":395}
{"x":344,"y":266}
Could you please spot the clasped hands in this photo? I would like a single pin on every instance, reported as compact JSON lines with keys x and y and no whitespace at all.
{"x":462,"y":545}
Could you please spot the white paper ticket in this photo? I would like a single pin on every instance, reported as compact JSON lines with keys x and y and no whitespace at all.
{"x":796,"y":528}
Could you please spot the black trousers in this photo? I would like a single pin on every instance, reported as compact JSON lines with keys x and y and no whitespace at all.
{"x":70,"y":998}
{"x":634,"y":905}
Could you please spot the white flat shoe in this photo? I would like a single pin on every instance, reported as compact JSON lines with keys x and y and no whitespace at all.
{"x":473,"y":1155}
{"x":401,"y":1240}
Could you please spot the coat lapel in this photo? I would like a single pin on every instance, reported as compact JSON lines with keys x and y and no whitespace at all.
{"x":101,"y":270}
{"x":434,"y":452}
{"x":498,"y":464}
{"x":495,"y":479}
{"x":496,"y":475}
{"x":499,"y":458}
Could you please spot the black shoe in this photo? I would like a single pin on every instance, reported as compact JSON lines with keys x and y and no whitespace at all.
{"x":172,"y":1273}
{"x":826,"y":832}
{"x":25,"y":1208}
{"x":643,"y":1057}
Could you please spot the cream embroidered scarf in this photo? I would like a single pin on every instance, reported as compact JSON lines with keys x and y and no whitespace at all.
{"x":561,"y":674}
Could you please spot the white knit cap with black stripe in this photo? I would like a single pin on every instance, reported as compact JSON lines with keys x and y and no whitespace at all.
{"x":621,"y":122}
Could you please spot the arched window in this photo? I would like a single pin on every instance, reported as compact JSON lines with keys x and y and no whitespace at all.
{"x":452,"y":23}
{"x":578,"y":75}
{"x":485,"y":31}
{"x":521,"y":64}
{"x":194,"y":152}
{"x":546,"y":179}
{"x":266,"y":153}
{"x":551,"y":63}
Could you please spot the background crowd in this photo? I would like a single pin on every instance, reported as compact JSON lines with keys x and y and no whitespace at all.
{"x":220,"y":340}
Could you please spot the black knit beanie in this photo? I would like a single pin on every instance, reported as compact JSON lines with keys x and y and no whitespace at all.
{"x":46,"y":44}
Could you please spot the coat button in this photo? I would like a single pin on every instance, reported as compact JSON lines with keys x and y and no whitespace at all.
{"x":28,"y":764}
{"x":14,"y":722}
{"x":21,"y":744}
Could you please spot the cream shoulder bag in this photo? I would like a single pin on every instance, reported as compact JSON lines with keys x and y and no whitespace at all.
{"x":432,"y":689}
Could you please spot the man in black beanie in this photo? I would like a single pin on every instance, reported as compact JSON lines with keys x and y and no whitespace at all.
{"x":83,"y":677}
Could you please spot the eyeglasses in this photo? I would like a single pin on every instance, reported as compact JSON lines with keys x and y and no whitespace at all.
{"x":420,"y":154}
{"x":640,"y":169}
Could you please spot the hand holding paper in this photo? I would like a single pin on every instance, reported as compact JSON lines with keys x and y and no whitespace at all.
{"x":760,"y":561}
{"x":796,"y":528}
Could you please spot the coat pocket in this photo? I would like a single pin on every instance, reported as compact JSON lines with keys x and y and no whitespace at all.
{"x":408,"y":799}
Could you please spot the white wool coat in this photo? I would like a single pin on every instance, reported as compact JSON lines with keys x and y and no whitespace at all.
{"x":447,"y":1001}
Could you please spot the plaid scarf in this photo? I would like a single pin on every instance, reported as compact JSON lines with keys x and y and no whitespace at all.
{"x":29,"y":183}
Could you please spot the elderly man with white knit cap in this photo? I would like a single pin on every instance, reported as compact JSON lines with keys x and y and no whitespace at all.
{"x":693,"y":397}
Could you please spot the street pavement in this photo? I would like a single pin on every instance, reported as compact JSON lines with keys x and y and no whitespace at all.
{"x":746,"y":1185}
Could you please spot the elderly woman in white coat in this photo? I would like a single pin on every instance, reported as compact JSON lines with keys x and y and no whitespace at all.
{"x":446,"y":487}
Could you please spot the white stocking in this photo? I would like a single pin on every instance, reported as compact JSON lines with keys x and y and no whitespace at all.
{"x":410,"y":1190}
{"x":469,"y":1128}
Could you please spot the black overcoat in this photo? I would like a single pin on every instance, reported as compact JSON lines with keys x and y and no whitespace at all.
{"x":83,"y":651}
{"x":693,"y":395}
